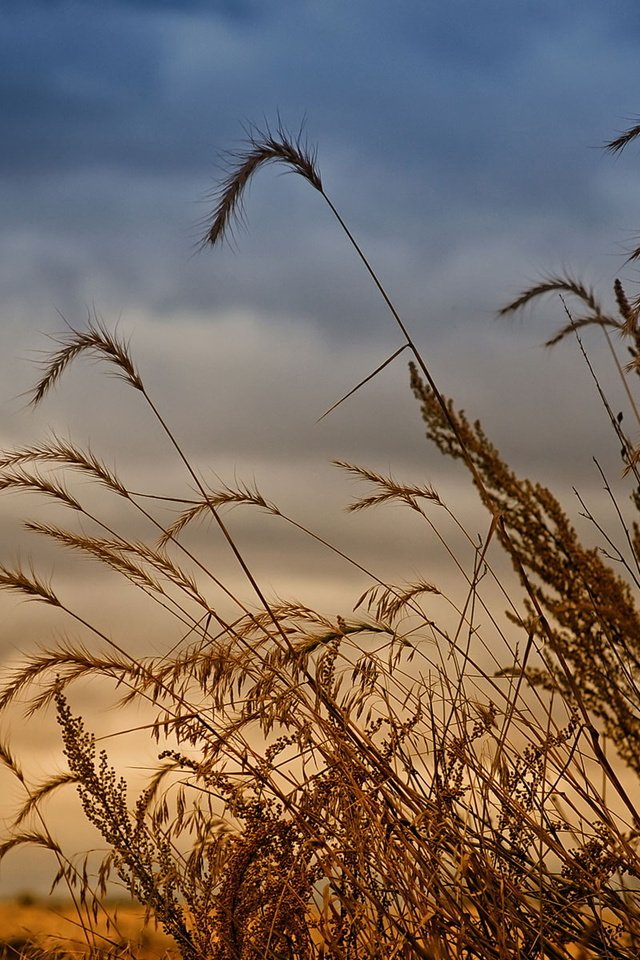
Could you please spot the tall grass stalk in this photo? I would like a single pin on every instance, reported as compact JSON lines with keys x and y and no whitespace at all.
{"x":377,"y":785}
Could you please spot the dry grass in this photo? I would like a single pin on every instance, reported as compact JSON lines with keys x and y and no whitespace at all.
{"x":44,"y":930}
{"x":378,"y":785}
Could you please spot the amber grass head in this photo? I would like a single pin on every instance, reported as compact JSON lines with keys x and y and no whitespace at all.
{"x":262,"y":147}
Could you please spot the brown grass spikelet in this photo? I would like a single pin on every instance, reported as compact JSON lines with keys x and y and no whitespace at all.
{"x":11,"y":762}
{"x":28,"y":838}
{"x":629,"y":311}
{"x":28,"y":584}
{"x":226,"y":496}
{"x":554,"y":284}
{"x":390,"y":602}
{"x":558,"y":284}
{"x":21,"y":480}
{"x":59,"y":451}
{"x":56,"y":456}
{"x":96,"y":340}
{"x":616,"y":146}
{"x":51,"y":670}
{"x":42,"y":791}
{"x":621,"y":299}
{"x":263,"y":147}
{"x":619,"y":143}
{"x":390,"y":489}
{"x":108,"y":552}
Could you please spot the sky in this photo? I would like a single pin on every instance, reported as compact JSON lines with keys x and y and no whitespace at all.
{"x":461,"y":142}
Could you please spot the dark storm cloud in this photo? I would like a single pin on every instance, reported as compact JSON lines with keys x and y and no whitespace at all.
{"x":234,"y":9}
{"x":458,"y":141}
{"x":154,"y":87}
{"x":79,"y":87}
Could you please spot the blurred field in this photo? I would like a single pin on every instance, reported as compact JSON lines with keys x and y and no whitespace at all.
{"x":54,"y":927}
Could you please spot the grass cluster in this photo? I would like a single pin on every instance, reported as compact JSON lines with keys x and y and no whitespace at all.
{"x":381,"y":785}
